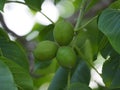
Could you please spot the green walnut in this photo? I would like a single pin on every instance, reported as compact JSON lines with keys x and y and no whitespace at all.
{"x":66,"y":57}
{"x":63,"y":32}
{"x":45,"y":50}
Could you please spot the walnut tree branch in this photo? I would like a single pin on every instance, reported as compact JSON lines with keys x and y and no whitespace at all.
{"x":21,"y":39}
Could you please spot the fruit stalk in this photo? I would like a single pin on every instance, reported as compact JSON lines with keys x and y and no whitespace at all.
{"x":69,"y":77}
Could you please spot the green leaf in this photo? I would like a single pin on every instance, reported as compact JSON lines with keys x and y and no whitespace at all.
{"x":14,"y":52}
{"x":115,"y":5}
{"x":2,"y":3}
{"x":3,"y":35}
{"x":44,"y":79}
{"x":79,"y":86}
{"x":6,"y":78}
{"x":38,"y":27}
{"x":108,"y":51}
{"x":34,"y":4}
{"x":41,"y":65}
{"x":59,"y":81}
{"x":77,"y":4}
{"x":111,"y":73}
{"x":88,"y":52}
{"x":90,"y":33}
{"x":21,"y":76}
{"x":108,"y":23}
{"x":42,"y":69}
{"x":1,"y":52}
{"x":47,"y":33}
{"x":81,"y":74}
{"x":56,"y":1}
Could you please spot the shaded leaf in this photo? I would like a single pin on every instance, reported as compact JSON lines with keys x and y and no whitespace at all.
{"x":2,"y":3}
{"x":3,"y":35}
{"x":108,"y":51}
{"x":13,"y":50}
{"x":47,"y":33}
{"x":111,"y":73}
{"x":34,"y":4}
{"x":40,"y":65}
{"x":56,"y":1}
{"x":108,"y":23}
{"x":81,"y":74}
{"x":6,"y":78}
{"x":79,"y":86}
{"x":21,"y":76}
{"x":59,"y":81}
{"x":1,"y":52}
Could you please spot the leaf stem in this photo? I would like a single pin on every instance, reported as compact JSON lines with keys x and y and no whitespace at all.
{"x":47,"y":17}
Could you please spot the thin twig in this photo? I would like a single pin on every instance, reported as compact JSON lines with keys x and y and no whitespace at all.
{"x":81,"y":13}
{"x":47,"y":17}
{"x":16,"y":2}
{"x":84,"y":25}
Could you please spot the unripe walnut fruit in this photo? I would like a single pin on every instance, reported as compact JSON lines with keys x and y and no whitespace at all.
{"x":45,"y":50}
{"x":63,"y":32}
{"x":66,"y":57}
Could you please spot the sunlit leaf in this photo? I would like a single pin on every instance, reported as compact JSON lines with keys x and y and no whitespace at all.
{"x":115,"y":5}
{"x":66,"y":8}
{"x":41,"y":80}
{"x":77,"y":4}
{"x":45,"y":68}
{"x":89,"y":33}
{"x":38,"y":27}
{"x":6,"y":78}
{"x":88,"y":51}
